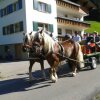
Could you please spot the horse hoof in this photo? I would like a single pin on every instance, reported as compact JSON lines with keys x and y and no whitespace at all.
{"x":32,"y":79}
{"x":54,"y":81}
{"x":74,"y":74}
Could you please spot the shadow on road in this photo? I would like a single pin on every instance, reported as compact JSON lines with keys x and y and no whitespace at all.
{"x":23,"y":84}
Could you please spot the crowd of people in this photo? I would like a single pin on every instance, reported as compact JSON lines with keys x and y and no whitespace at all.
{"x":77,"y":37}
{"x":90,"y":40}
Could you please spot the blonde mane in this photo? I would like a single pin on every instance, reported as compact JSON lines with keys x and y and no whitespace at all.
{"x":48,"y":42}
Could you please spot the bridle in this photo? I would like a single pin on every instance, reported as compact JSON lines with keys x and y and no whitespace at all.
{"x":33,"y":45}
{"x":27,"y":44}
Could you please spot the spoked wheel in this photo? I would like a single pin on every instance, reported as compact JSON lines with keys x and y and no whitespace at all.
{"x":93,"y":63}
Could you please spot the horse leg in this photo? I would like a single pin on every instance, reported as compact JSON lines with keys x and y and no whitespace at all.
{"x":42,"y":68}
{"x":53,"y":75}
{"x":80,"y":59}
{"x":73,"y":66}
{"x":54,"y":64}
{"x":55,"y":70}
{"x":30,"y":70}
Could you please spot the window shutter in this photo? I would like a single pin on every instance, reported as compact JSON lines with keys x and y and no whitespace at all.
{"x":50,"y":27}
{"x":1,"y":13}
{"x":3,"y":31}
{"x":11,"y":28}
{"x":35,"y":4}
{"x":20,"y":4}
{"x":9,"y":9}
{"x":49,"y":8}
{"x":21,"y":26}
{"x":35,"y":26}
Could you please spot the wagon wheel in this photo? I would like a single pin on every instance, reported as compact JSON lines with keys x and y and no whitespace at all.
{"x":93,"y":63}
{"x":98,"y":59}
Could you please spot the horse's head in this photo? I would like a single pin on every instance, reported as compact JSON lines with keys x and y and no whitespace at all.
{"x":27,"y":41}
{"x":38,"y":37}
{"x":32,"y":42}
{"x":44,"y":39}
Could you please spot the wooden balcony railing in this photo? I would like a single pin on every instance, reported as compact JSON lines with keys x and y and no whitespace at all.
{"x":67,"y":4}
{"x":67,"y":21}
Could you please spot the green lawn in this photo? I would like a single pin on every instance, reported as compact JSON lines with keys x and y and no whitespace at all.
{"x":95,"y":26}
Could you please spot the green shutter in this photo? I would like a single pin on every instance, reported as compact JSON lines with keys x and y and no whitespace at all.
{"x":50,"y":27}
{"x":35,"y":4}
{"x":49,"y":8}
{"x":35,"y":26}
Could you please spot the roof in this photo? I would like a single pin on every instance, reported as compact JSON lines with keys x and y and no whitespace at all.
{"x":71,"y":3}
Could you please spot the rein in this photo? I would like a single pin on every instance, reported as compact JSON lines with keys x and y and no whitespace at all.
{"x":71,"y":58}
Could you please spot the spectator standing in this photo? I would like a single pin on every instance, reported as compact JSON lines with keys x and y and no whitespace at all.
{"x":76,"y":37}
{"x":84,"y":36}
{"x":96,"y":37}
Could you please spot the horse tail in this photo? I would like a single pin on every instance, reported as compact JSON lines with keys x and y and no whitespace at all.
{"x":80,"y":57}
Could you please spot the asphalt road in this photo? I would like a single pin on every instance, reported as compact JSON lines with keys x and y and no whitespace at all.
{"x":14,"y":84}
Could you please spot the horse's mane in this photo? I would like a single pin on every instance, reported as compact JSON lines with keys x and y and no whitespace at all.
{"x":48,"y":42}
{"x":47,"y":37}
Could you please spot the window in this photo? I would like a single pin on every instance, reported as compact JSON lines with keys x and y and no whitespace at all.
{"x":43,"y":25}
{"x":5,"y":11}
{"x":48,"y":27}
{"x":76,"y":18}
{"x":11,"y":8}
{"x":21,"y":26}
{"x":15,"y":6}
{"x":59,"y":31}
{"x":68,"y":31}
{"x":20,"y":4}
{"x":1,"y":13}
{"x":40,"y":6}
{"x":17,"y":28}
{"x":13,"y":28}
{"x":8,"y":29}
{"x":4,"y":31}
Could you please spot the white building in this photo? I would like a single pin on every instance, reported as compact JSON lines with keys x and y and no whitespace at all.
{"x":23,"y":16}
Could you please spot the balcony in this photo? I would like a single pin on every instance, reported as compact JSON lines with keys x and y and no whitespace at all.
{"x":68,"y":4}
{"x":71,"y":23}
{"x":69,"y":8}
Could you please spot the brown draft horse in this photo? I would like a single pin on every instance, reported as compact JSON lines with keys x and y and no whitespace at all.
{"x":34,"y":54}
{"x":52,"y":51}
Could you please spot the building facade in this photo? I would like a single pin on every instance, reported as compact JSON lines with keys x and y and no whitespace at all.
{"x":71,"y":18}
{"x":23,"y":16}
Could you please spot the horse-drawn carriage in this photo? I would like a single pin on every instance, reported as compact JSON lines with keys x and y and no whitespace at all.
{"x":91,"y":51}
{"x":55,"y":52}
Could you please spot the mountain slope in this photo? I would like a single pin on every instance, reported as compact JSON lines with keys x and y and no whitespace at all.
{"x":95,"y":26}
